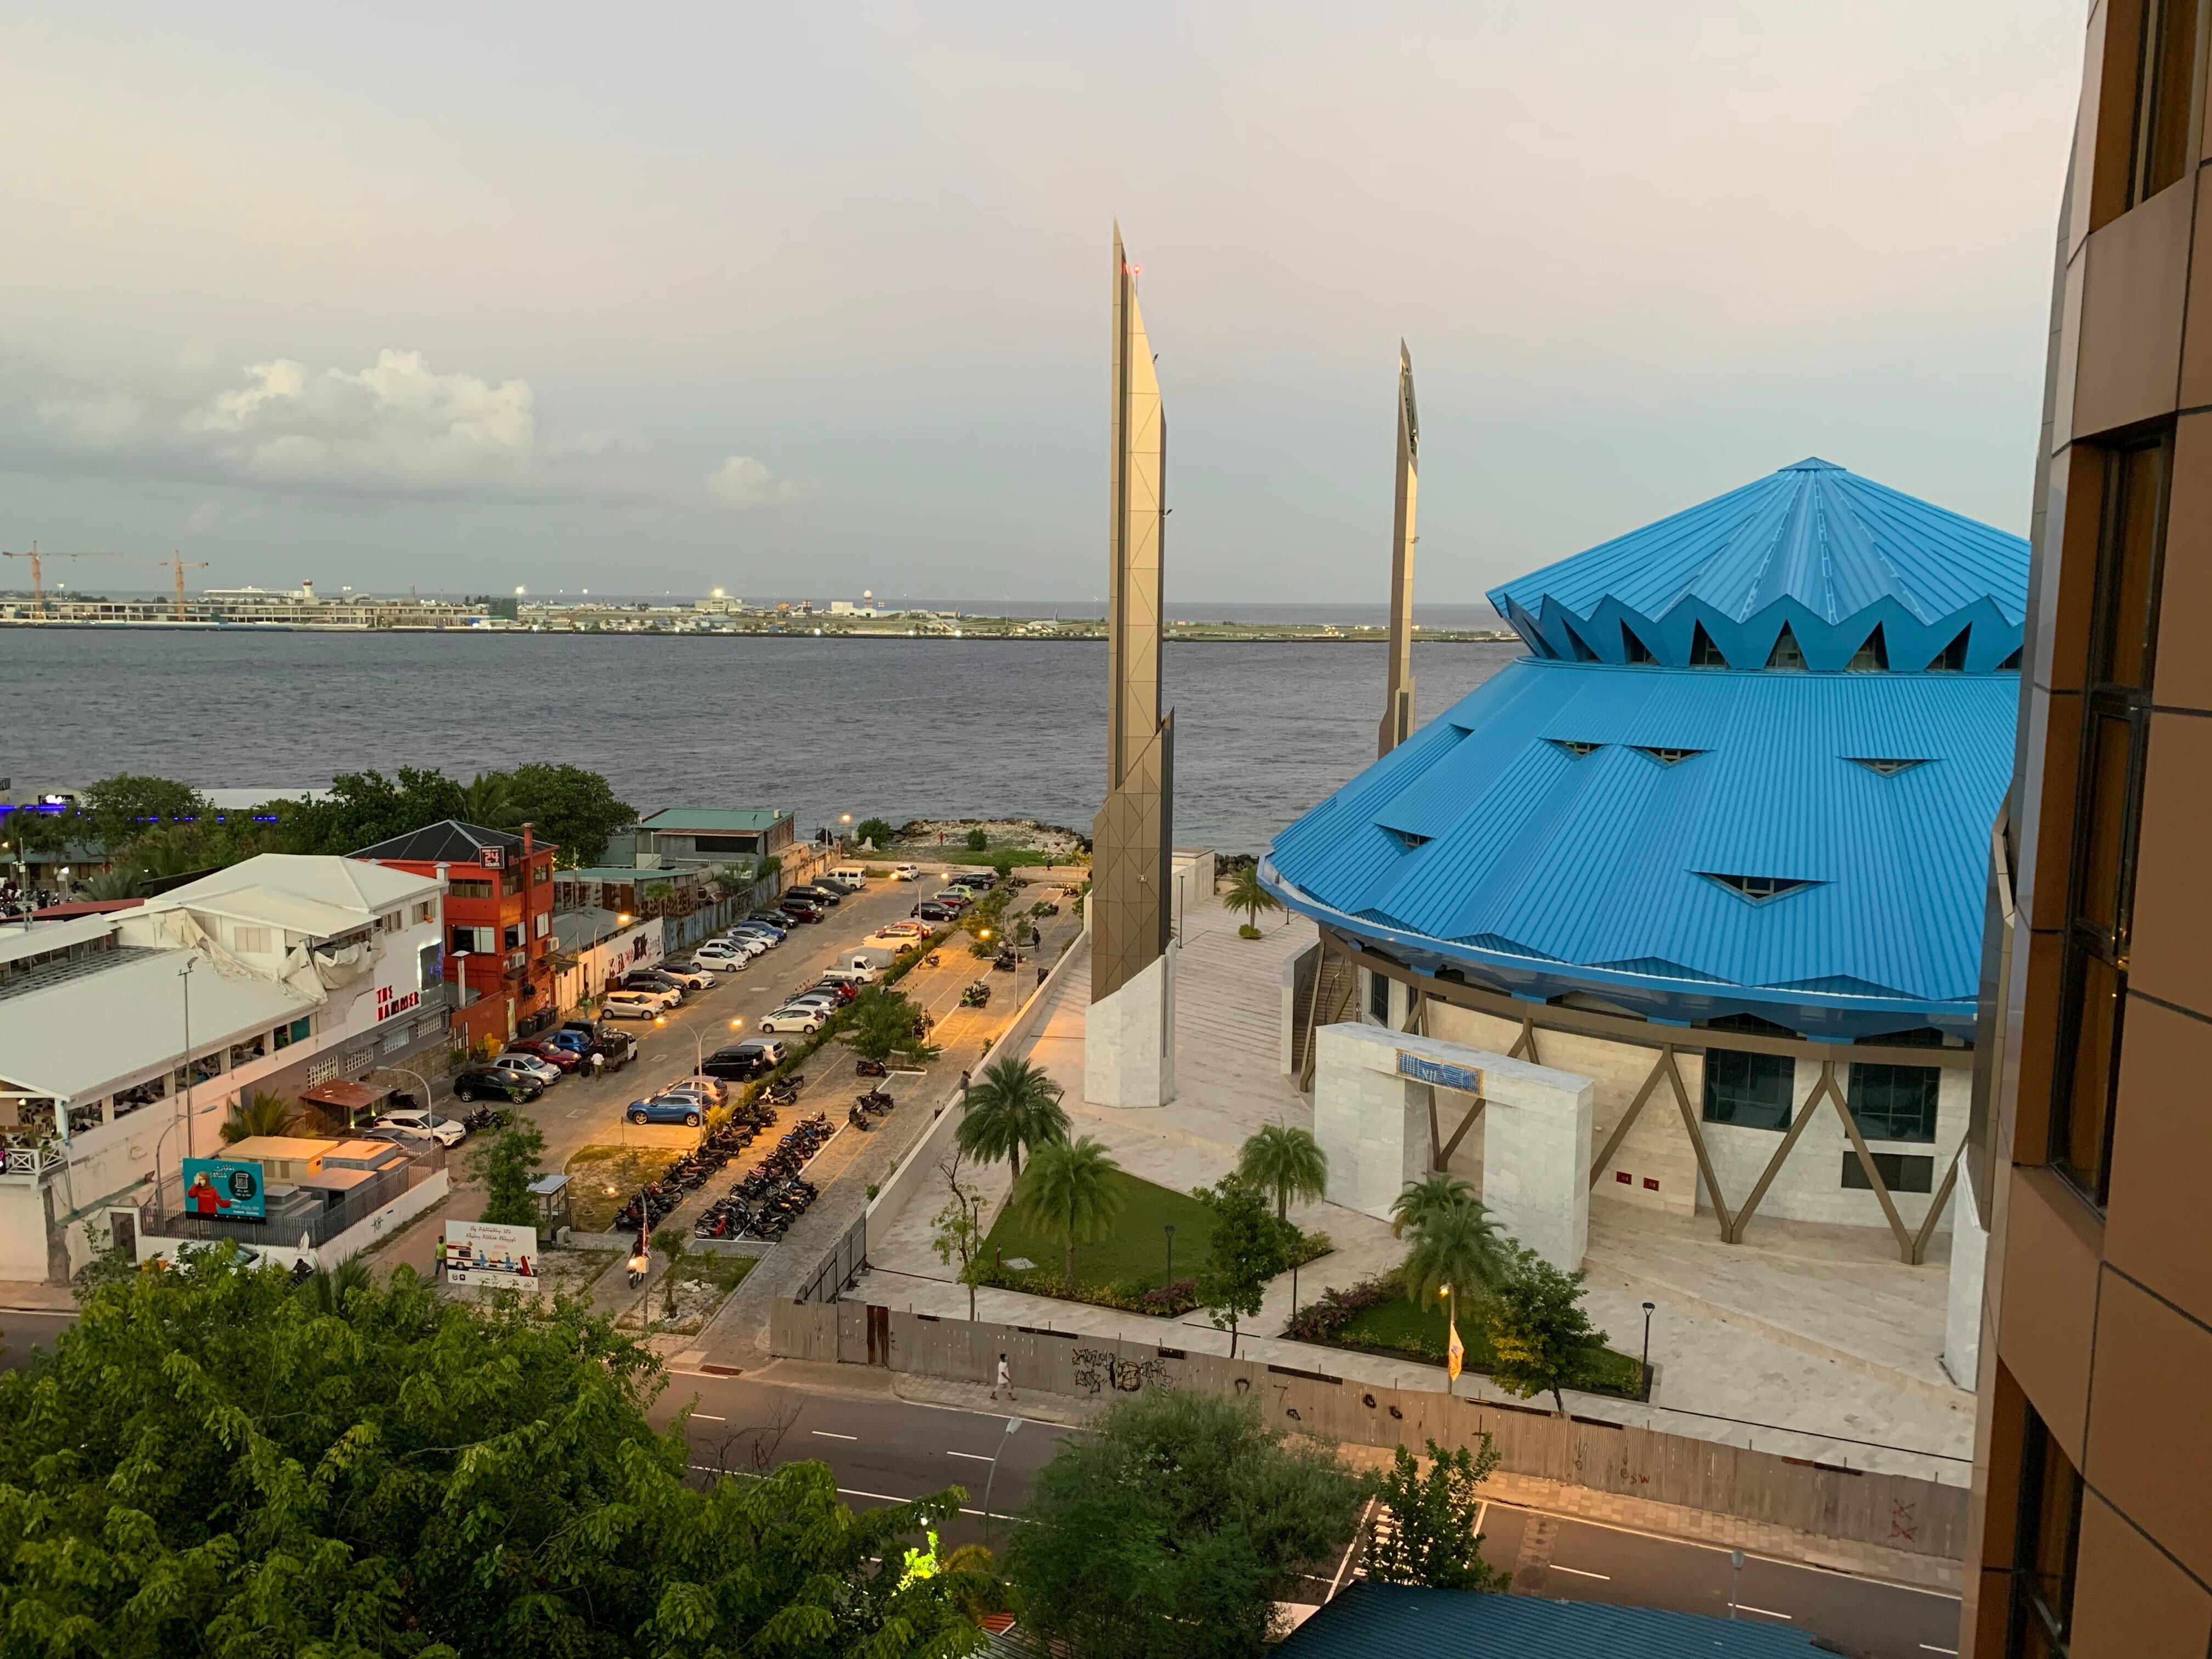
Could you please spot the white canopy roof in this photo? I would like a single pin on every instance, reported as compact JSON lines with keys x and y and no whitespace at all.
{"x":311,"y":894}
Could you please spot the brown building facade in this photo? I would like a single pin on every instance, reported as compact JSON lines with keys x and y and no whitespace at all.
{"x":2092,"y":1532}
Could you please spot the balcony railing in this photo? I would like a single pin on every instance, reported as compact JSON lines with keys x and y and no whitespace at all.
{"x":36,"y":1160}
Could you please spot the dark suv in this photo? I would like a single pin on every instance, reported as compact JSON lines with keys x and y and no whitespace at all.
{"x":477,"y":1082}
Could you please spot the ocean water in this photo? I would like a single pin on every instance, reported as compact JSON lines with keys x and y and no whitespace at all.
{"x":889,"y":727}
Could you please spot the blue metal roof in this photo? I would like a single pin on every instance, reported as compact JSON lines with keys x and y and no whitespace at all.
{"x":1530,"y":838}
{"x":1814,"y":547}
{"x":1399,"y":1621}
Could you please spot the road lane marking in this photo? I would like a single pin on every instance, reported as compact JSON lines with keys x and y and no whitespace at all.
{"x":1764,"y":1612}
{"x":1608,"y":1576}
{"x":707,"y":1416}
{"x":828,"y":1434}
{"x":885,"y":1497}
{"x":1929,"y":1647}
{"x":976,"y":1457}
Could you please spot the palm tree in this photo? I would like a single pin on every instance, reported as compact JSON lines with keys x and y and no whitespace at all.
{"x":1288,"y":1163}
{"x":1071,"y":1194}
{"x":1014,"y":1108}
{"x":330,"y":1287}
{"x":1246,"y":894}
{"x":260,"y":1115}
{"x":488,"y":801}
{"x":1422,"y":1198}
{"x":120,"y":883}
{"x":1457,"y":1249}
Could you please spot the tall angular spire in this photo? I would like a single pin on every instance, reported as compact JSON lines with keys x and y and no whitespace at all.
{"x":1129,"y":1035}
{"x":1398,"y":708}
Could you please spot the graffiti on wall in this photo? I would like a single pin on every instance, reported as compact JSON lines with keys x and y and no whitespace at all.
{"x":1097,"y":1369}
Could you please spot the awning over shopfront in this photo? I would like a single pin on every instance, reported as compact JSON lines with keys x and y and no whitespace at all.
{"x":348,"y":1101}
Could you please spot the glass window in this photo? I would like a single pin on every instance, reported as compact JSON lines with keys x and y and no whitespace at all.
{"x":1895,"y":1103}
{"x":1703,"y":654}
{"x":1378,"y":997}
{"x":2044,"y":1551}
{"x":469,"y":890}
{"x":1901,"y":1172}
{"x":1751,"y":1091}
{"x":2163,"y":128}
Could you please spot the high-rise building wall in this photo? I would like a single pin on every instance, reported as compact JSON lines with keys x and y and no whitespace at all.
{"x":2093,"y":1529}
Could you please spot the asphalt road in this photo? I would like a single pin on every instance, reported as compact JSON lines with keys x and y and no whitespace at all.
{"x":21,"y":1329}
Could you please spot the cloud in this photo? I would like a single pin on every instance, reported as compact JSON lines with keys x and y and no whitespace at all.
{"x":741,"y":482}
{"x":399,"y":428}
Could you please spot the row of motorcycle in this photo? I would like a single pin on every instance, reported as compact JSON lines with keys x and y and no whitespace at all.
{"x":772,"y":1196}
{"x":656,"y":1201}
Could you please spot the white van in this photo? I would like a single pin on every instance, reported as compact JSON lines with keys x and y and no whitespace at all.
{"x":858,"y":971}
{"x":852,"y":873}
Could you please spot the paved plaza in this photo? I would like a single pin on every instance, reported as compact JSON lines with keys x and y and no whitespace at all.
{"x":1811,"y":1342}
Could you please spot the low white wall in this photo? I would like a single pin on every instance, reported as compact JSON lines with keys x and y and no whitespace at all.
{"x":365,"y":1234}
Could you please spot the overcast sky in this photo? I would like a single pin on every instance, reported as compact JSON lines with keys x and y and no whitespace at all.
{"x":802,"y":300}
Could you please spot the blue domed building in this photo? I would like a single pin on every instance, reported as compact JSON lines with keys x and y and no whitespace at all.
{"x":1718,"y":843}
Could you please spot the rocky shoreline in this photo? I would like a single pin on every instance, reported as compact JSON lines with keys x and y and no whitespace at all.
{"x":1025,"y":834}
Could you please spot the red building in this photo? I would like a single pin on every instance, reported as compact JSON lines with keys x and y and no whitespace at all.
{"x":498,"y":922}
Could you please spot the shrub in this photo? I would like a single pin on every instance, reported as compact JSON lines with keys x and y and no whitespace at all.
{"x":977,"y":841}
{"x":1320,"y":1319}
{"x":1246,"y":930}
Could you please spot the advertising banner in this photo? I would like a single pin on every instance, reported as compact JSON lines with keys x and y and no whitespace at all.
{"x":224,"y":1190}
{"x":486,"y":1253}
{"x":1441,"y":1074}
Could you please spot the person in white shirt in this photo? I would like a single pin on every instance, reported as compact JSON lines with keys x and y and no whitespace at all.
{"x":1006,"y":1380}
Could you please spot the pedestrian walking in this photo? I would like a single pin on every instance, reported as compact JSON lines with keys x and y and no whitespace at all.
{"x":1006,"y":1380}
{"x":963,"y":1088}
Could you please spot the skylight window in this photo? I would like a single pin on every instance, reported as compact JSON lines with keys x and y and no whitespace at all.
{"x":1887,"y":769}
{"x":1787,"y":653}
{"x":1632,"y":648}
{"x":1703,"y":654}
{"x":1577,"y":750}
{"x":1952,"y":657}
{"x":1873,"y":656}
{"x":1668,"y":756}
{"x":1758,"y":889}
{"x":1582,"y":653}
{"x":1408,"y":837}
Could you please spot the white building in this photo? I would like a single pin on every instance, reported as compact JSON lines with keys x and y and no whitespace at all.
{"x":126,"y":1038}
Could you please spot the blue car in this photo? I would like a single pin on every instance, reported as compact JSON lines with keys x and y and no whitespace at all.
{"x":666,"y":1109}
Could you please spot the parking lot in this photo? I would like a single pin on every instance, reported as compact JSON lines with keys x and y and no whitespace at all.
{"x":580,"y":1112}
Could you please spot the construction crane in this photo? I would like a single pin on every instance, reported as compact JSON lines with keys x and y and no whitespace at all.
{"x":38,"y":573}
{"x":177,"y":562}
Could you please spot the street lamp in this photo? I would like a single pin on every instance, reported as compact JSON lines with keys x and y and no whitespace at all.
{"x":1170,"y":1233}
{"x":698,"y":1048}
{"x":1012,"y":1424}
{"x":1647,"y":1349}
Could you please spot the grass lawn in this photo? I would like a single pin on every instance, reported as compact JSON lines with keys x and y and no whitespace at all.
{"x":591,"y":1206}
{"x":709,"y":1267}
{"x":1136,"y":1253}
{"x":1402,"y":1328}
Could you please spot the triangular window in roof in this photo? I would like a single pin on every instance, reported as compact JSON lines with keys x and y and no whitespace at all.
{"x":1873,"y":657}
{"x":2010,"y":664}
{"x":1951,"y":659}
{"x":1703,"y":654}
{"x":1582,"y":653}
{"x":1667,"y":756}
{"x":1757,"y":889}
{"x":1577,"y":750}
{"x":1787,"y":654}
{"x":1632,"y":648}
{"x":1886,"y":767}
{"x":1407,"y":837}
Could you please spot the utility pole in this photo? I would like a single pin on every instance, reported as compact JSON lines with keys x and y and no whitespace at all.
{"x":38,"y":557}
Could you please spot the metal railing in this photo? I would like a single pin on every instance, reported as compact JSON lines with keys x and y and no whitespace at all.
{"x":839,"y":1267}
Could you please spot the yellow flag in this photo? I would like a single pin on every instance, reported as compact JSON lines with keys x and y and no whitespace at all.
{"x":1455,"y":1350}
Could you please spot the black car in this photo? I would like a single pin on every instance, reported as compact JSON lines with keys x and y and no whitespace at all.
{"x":735,"y":1065}
{"x":931,"y":910}
{"x":652,"y":979}
{"x":477,"y":1081}
{"x":802,"y":910}
{"x":820,"y":894}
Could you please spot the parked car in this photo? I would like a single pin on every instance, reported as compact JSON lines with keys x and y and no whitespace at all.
{"x":652,"y":979}
{"x":704,"y":1089}
{"x":731,"y":1068}
{"x":805,"y":1021}
{"x":767,"y":1049}
{"x":544,"y":1071}
{"x":855,"y":874}
{"x":931,"y":910}
{"x":800,"y":910}
{"x":855,"y":977}
{"x":473,"y":1083}
{"x":445,"y":1131}
{"x":689,"y":976}
{"x":906,"y":873}
{"x":667,"y":1109}
{"x":584,"y":1038}
{"x":723,"y":959}
{"x":636,"y":1005}
{"x":771,"y":918}
{"x":959,"y":898}
{"x":910,"y":929}
{"x":547,"y":1049}
{"x":820,"y":894}
{"x":843,"y":990}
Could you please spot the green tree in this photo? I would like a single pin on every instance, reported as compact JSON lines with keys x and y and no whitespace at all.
{"x":488,"y":801}
{"x":1421,"y":1199}
{"x":574,"y":809}
{"x":1002,"y":864}
{"x":1249,"y":1247}
{"x":881,"y":1024}
{"x":121,"y":808}
{"x":210,"y":1463}
{"x":673,"y":1246}
{"x":1287,"y":1161}
{"x":876,"y":830}
{"x":1070,"y":1193}
{"x":977,"y":841}
{"x":1457,"y":1252}
{"x":363,"y":808}
{"x":260,"y":1115}
{"x":120,"y":883}
{"x":1247,"y":895}
{"x":1541,"y":1337}
{"x":1172,"y":1531}
{"x":1431,"y":1539}
{"x":506,"y":1162}
{"x":1013,"y":1108}
{"x":955,"y":1232}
